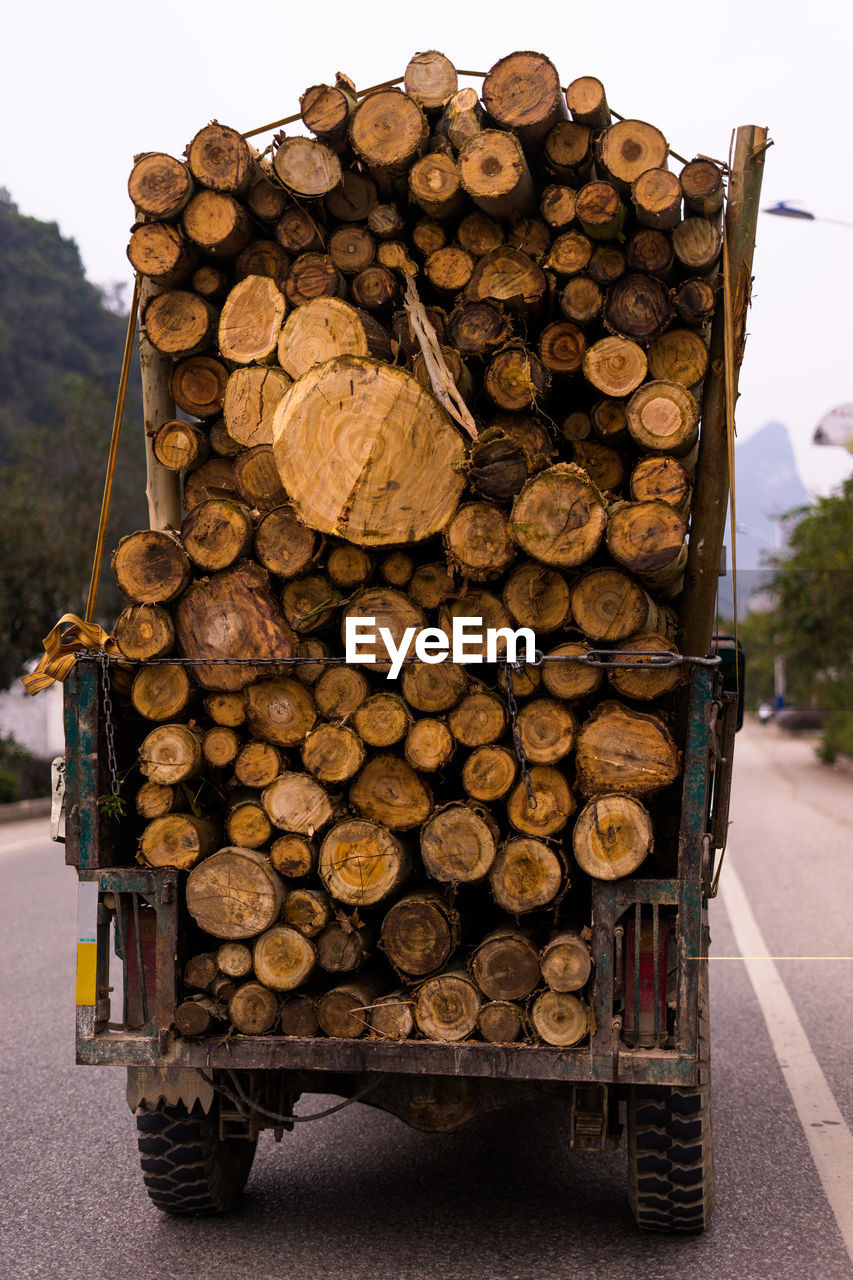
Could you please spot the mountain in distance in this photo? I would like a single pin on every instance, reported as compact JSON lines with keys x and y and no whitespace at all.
{"x":767,"y":486}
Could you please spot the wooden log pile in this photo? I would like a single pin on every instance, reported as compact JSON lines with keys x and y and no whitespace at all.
{"x":440,"y":360}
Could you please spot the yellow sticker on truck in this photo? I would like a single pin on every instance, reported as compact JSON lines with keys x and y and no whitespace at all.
{"x":87,"y":942}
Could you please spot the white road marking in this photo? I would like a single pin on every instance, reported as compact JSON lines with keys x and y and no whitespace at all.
{"x":829,"y":1139}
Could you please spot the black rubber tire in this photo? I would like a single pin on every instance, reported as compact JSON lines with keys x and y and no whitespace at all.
{"x":670,"y":1145}
{"x":186,"y":1168}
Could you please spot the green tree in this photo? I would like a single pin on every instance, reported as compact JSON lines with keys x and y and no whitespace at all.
{"x":813,"y":615}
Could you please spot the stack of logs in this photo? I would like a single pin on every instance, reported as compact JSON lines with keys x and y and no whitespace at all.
{"x":439,"y":361}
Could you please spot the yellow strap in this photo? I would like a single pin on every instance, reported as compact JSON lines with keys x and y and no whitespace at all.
{"x":60,"y":645}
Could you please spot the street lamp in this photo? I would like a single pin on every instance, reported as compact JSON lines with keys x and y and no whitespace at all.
{"x":783,"y":209}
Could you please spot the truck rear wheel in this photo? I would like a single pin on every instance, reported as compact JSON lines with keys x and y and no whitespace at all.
{"x":670,"y":1145}
{"x":186,"y":1166}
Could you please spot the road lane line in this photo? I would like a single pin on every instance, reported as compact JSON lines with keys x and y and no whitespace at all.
{"x":829,"y":1139}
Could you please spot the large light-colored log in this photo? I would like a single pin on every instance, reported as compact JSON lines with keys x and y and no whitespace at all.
{"x":251,"y":320}
{"x":627,"y":149}
{"x":325,"y":441}
{"x":328,"y":327}
{"x":430,"y":79}
{"x":306,"y":167}
{"x":388,"y":131}
{"x":560,"y":1019}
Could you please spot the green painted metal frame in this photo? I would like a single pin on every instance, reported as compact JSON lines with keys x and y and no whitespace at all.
{"x":605,"y":1059}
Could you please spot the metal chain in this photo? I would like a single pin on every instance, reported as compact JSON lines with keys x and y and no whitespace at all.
{"x":515,"y":729}
{"x":115,"y":785}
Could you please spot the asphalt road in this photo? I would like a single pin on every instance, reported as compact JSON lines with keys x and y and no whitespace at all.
{"x":362,"y":1196}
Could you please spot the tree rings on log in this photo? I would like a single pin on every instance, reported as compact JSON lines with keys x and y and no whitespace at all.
{"x":144,"y":631}
{"x":458,"y":844}
{"x":489,"y":772}
{"x":566,"y":961}
{"x":662,"y":479}
{"x":608,"y":604}
{"x":419,"y":934}
{"x":388,"y":131}
{"x":253,"y":1009}
{"x":554,"y":803}
{"x":252,"y":396}
{"x":526,"y":875}
{"x":230,"y":619}
{"x":479,"y":719}
{"x":159,"y":185}
{"x":220,"y":158}
{"x":570,"y":680}
{"x":297,"y":803}
{"x":251,"y":320}
{"x":280,"y":710}
{"x":559,"y":1018}
{"x":679,"y":355}
{"x":430,"y":79}
{"x":307,"y":167}
{"x":612,"y":837}
{"x":366,"y":453}
{"x":625,"y":750}
{"x":429,"y":745}
{"x":170,"y":754}
{"x":615,"y":366}
{"x":506,"y":966}
{"x":325,"y":328}
{"x":389,"y":792}
{"x":643,"y":681}
{"x":283,"y":958}
{"x":339,"y":692}
{"x":494,"y":173}
{"x":151,"y":567}
{"x":197,"y":385}
{"x":344,"y":1012}
{"x":382,"y":720}
{"x":234,"y":894}
{"x":522,"y":92}
{"x":547,"y":729}
{"x":627,"y":149}
{"x":500,"y":1021}
{"x":307,"y":910}
{"x":538,"y":597}
{"x":216,"y":533}
{"x":283,"y":544}
{"x":645,"y":537}
{"x":298,"y":1016}
{"x":161,"y":691}
{"x":559,"y":517}
{"x":293,"y":856}
{"x":333,"y":753}
{"x":361,"y":863}
{"x":446,"y":1007}
{"x":177,"y":840}
{"x":663,"y":417}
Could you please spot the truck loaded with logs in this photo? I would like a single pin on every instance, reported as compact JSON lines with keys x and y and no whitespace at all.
{"x":404,"y":774}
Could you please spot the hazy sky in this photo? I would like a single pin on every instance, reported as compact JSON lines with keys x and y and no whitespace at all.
{"x":86,"y":86}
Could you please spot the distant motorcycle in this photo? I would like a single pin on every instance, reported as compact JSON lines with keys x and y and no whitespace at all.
{"x":765,"y":712}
